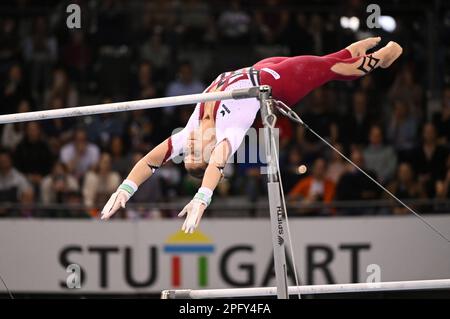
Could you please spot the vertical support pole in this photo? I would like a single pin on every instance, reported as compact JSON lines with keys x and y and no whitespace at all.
{"x":273,"y":187}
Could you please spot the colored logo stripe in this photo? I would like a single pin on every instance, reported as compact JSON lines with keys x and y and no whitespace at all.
{"x":188,"y":248}
{"x":202,"y":271}
{"x":176,"y":271}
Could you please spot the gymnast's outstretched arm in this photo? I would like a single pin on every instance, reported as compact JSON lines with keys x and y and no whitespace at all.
{"x":141,"y":171}
{"x":213,"y":174}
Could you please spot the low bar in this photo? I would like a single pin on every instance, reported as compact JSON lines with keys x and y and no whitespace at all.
{"x":251,"y":92}
{"x":307,"y":290}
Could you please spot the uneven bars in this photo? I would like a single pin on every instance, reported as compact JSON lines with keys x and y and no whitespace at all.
{"x":251,"y":92}
{"x":307,"y":290}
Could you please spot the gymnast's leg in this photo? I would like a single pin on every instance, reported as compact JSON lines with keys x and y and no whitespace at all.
{"x":292,"y":78}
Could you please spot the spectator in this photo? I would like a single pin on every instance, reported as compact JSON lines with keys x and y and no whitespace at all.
{"x":402,"y":129}
{"x":120,"y":161}
{"x":194,"y":20}
{"x":406,"y":88}
{"x":75,"y":208}
{"x":291,"y":169}
{"x":58,"y":131}
{"x":234,"y":24}
{"x":13,"y":133}
{"x":139,"y":131}
{"x":33,"y":156}
{"x":56,"y":186}
{"x":14,"y":187}
{"x":77,"y":56}
{"x":405,"y":187}
{"x":79,"y":155}
{"x":101,"y":128}
{"x":317,"y":115}
{"x":336,"y":166}
{"x":355,"y":128}
{"x":144,"y":88}
{"x":379,"y":157}
{"x":442,"y":191}
{"x":354,"y":185}
{"x":61,"y":87}
{"x":99,"y":184}
{"x":271,"y":21}
{"x":298,"y":36}
{"x":9,"y":40}
{"x":442,"y":119}
{"x":184,"y":84}
{"x":315,"y":188}
{"x":40,"y":51}
{"x":429,"y":159}
{"x":14,"y":90}
{"x":155,"y":51}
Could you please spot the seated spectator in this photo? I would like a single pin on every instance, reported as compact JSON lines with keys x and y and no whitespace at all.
{"x":317,"y":114}
{"x":379,"y":157}
{"x":406,"y":88}
{"x":77,"y":56}
{"x":13,"y":133}
{"x":56,"y":185}
{"x":291,"y":168}
{"x":61,"y":87}
{"x":194,"y":21}
{"x":100,"y":128}
{"x":405,"y":186}
{"x":58,"y":131}
{"x":155,"y":51}
{"x":429,"y":159}
{"x":120,"y":160}
{"x":40,"y":51}
{"x":184,"y":84}
{"x":99,"y":184}
{"x":442,"y":191}
{"x":442,"y":119}
{"x":33,"y":156}
{"x":79,"y":155}
{"x":402,"y":129}
{"x":139,"y":131}
{"x":14,"y":89}
{"x":354,"y":185}
{"x":75,"y":208}
{"x":336,"y":166}
{"x":315,"y":188}
{"x":234,"y":24}
{"x":143,"y":87}
{"x":14,"y":187}
{"x":356,"y":124}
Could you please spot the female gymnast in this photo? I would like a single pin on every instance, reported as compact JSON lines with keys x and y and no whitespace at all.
{"x":216,"y":129}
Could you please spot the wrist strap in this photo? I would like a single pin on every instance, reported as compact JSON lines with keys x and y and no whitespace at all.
{"x":204,"y":195}
{"x":128,"y":186}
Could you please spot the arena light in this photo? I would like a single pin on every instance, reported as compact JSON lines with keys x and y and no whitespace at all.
{"x":387,"y":23}
{"x":351,"y":23}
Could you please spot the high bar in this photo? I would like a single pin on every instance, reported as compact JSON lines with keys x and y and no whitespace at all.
{"x":307,"y":290}
{"x":251,"y":92}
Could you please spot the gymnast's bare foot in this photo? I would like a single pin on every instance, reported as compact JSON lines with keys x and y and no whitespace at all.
{"x":388,"y":54}
{"x":382,"y":58}
{"x":360,"y":48}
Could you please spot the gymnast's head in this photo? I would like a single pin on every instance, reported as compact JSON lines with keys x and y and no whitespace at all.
{"x":198,"y":149}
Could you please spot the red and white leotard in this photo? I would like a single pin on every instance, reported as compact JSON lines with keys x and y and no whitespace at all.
{"x":291,"y":78}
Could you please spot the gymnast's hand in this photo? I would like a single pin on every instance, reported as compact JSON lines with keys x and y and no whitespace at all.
{"x":194,"y":212}
{"x":119,"y":198}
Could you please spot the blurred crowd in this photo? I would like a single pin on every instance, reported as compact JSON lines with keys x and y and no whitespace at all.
{"x":148,"y":49}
